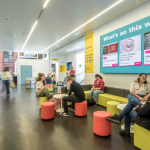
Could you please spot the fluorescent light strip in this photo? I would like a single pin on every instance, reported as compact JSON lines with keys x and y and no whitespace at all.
{"x":84,"y":24}
{"x":72,"y":49}
{"x":29,"y":35}
{"x":46,"y":3}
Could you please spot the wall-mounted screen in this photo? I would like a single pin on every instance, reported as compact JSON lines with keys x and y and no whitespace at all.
{"x":127,"y":49}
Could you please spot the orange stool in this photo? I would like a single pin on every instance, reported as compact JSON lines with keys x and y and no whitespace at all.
{"x":101,"y":126}
{"x":81,"y":108}
{"x":59,"y":92}
{"x":47,"y":110}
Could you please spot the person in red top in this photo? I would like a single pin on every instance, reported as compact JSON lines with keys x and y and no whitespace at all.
{"x":72,"y":71}
{"x":98,"y":88}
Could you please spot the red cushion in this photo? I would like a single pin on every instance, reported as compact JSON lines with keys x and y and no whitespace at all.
{"x":101,"y":126}
{"x":47,"y":110}
{"x":81,"y":108}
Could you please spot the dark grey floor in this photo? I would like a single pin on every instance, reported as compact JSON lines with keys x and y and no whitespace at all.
{"x":21,"y":127}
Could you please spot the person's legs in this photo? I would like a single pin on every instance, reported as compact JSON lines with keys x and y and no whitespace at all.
{"x":131,"y":115}
{"x":129,"y":107}
{"x":7,"y":86}
{"x":66,"y":99}
{"x":95,"y":93}
{"x":91,"y":94}
{"x":44,"y":93}
{"x":132,"y":97}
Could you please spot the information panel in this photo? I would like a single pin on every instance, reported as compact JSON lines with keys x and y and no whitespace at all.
{"x":89,"y":53}
{"x":110,"y":55}
{"x":127,"y":49}
{"x":130,"y":51}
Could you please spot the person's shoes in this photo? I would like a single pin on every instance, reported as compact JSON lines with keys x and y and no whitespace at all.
{"x":95,"y":104}
{"x":114,"y":119}
{"x":125,"y":135}
{"x":65,"y":114}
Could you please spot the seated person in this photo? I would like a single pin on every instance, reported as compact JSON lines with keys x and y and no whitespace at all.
{"x":140,"y":115}
{"x":72,"y":70}
{"x":48,"y":79}
{"x":73,"y":77}
{"x":98,"y":88}
{"x":42,"y":91}
{"x":139,"y":89}
{"x":76,"y":97}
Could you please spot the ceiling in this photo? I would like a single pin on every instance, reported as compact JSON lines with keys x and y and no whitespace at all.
{"x":59,"y":18}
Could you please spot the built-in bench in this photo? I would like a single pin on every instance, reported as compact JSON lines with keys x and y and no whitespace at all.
{"x":111,"y":94}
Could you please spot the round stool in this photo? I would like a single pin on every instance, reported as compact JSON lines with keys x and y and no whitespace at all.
{"x":81,"y":108}
{"x":50,"y":89}
{"x":42,"y":100}
{"x":101,"y":126}
{"x":47,"y":110}
{"x":59,"y":92}
{"x":112,"y":107}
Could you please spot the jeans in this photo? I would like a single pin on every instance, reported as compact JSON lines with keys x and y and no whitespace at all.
{"x":95,"y":93}
{"x":7,"y":86}
{"x":132,"y":97}
{"x":129,"y":113}
{"x":71,"y":98}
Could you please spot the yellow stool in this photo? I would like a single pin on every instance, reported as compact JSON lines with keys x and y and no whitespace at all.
{"x":42,"y":100}
{"x":69,"y":103}
{"x":112,"y":107}
{"x":55,"y":86}
{"x":141,"y":137}
{"x":50,"y":89}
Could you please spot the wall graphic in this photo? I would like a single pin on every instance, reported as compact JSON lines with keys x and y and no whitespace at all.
{"x":62,"y":68}
{"x":127,"y":49}
{"x":89,"y":53}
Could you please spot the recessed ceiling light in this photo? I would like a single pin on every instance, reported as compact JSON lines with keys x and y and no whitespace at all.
{"x":83,"y":24}
{"x":72,"y":49}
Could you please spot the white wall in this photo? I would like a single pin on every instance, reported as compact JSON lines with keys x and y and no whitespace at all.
{"x":116,"y":80}
{"x":37,"y":66}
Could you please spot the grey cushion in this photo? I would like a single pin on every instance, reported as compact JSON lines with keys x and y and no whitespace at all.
{"x":127,"y":92}
{"x":115,"y":91}
{"x":86,"y":87}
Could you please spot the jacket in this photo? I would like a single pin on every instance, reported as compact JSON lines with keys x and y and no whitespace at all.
{"x":6,"y":75}
{"x":143,"y":116}
{"x":78,"y":91}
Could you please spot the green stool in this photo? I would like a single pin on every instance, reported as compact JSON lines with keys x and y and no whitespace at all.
{"x":50,"y":89}
{"x":141,"y":137}
{"x":55,"y":86}
{"x":112,"y":107}
{"x":42,"y":100}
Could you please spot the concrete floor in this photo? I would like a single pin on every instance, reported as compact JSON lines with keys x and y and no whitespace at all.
{"x":21,"y":127}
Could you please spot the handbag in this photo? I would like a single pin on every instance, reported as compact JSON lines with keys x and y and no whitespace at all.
{"x":54,"y":82}
{"x":12,"y":85}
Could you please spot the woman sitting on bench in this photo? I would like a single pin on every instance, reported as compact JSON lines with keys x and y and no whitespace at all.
{"x":98,"y":88}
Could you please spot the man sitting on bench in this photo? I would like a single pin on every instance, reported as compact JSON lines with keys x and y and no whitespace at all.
{"x":76,"y":95}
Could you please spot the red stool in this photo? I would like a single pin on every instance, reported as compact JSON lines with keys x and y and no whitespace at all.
{"x":59,"y":92}
{"x":101,"y":126}
{"x":47,"y":110}
{"x":81,"y":108}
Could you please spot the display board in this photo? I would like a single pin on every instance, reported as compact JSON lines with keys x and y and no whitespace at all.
{"x":126,"y":50}
{"x":89,"y":53}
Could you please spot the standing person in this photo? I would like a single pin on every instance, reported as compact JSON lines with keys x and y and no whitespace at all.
{"x":68,"y":73}
{"x":6,"y":77}
{"x":54,"y":78}
{"x":53,"y":72}
{"x":72,"y":70}
{"x":98,"y":88}
{"x":140,"y":89}
{"x":136,"y":111}
{"x":48,"y":79}
{"x":77,"y":96}
{"x":42,"y":91}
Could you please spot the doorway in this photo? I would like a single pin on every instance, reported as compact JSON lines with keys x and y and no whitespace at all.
{"x":69,"y":65}
{"x":26,"y":71}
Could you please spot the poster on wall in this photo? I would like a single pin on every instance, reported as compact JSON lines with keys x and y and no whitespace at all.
{"x":110,"y":55}
{"x":62,"y":68}
{"x":89,"y":53}
{"x":147,"y":48}
{"x":130,"y":51}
